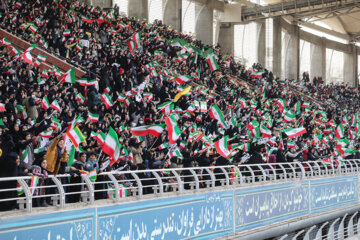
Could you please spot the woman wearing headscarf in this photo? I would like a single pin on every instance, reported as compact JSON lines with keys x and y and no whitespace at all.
{"x":55,"y":155}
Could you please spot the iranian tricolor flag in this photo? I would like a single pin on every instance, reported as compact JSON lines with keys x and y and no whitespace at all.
{"x":154,"y":130}
{"x":182,"y":79}
{"x":85,"y":82}
{"x":203,"y":107}
{"x":45,"y":103}
{"x":216,"y":113}
{"x":176,"y":153}
{"x":222,"y":147}
{"x":46,"y":134}
{"x":6,"y":42}
{"x":295,"y":132}
{"x":93,"y":117}
{"x":106,"y":99}
{"x":265,"y":131}
{"x":173,"y":129}
{"x":137,"y":39}
{"x":340,"y":131}
{"x":20,"y":190}
{"x":67,"y":33}
{"x":352,"y":134}
{"x":131,"y":46}
{"x":25,"y":156}
{"x":256,"y":74}
{"x":69,"y":76}
{"x":41,"y":57}
{"x":15,"y":50}
{"x":123,"y":191}
{"x":33,"y":184}
{"x":163,"y":146}
{"x":27,"y":57}
{"x":289,"y":116}
{"x":297,"y":108}
{"x":80,"y":98}
{"x":281,"y":103}
{"x":76,"y":136}
{"x":112,"y":145}
{"x":33,"y":28}
{"x":165,"y":107}
{"x":211,"y":60}
{"x":100,"y":138}
{"x":291,"y":145}
{"x":243,"y":103}
{"x":55,"y":105}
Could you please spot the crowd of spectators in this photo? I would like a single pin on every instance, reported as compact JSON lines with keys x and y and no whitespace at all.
{"x":139,"y":75}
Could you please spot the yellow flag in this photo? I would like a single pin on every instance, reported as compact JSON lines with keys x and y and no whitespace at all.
{"x":71,"y":45}
{"x":182,"y":93}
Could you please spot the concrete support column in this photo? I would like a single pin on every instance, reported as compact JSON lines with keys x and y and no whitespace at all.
{"x":292,"y":64}
{"x":277,"y":46}
{"x":318,"y":60}
{"x":226,"y":38}
{"x":204,"y":23}
{"x":350,"y":67}
{"x":261,"y":43}
{"x":172,"y":14}
{"x":99,"y":3}
{"x":138,"y":9}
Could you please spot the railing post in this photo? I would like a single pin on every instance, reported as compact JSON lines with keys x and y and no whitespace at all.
{"x":90,"y":187}
{"x":340,"y":231}
{"x":302,"y":169}
{"x":311,"y":168}
{"x":351,"y":166}
{"x":226,"y":176}
{"x":212,"y":176}
{"x":252,"y":173}
{"x":357,"y":165}
{"x":263,"y":172}
{"x":61,"y":190}
{"x":197,"y":183}
{"x":330,"y":235}
{"x":307,"y":234}
{"x":27,"y":194}
{"x":293,"y":169}
{"x":298,"y":234}
{"x":140,"y":186}
{"x":180,"y":183}
{"x":346,"y":171}
{"x":284,"y":170}
{"x":318,"y":167}
{"x":319,"y":232}
{"x":350,"y":225}
{"x":116,"y":185}
{"x":161,"y":185}
{"x":273,"y":171}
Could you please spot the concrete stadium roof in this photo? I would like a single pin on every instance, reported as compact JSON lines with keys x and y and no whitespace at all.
{"x":342,"y":18}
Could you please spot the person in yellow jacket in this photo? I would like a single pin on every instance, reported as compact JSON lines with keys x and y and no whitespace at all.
{"x":55,"y":155}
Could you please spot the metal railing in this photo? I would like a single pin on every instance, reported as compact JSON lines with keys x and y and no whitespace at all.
{"x":62,"y":190}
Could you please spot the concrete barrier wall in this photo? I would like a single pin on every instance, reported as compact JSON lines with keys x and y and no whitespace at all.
{"x":204,"y":216}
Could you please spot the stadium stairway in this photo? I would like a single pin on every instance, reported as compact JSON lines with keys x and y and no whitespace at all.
{"x":50,"y":59}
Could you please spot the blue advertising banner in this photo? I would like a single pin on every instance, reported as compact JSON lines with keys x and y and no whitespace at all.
{"x":201,"y":216}
{"x":74,"y":225}
{"x":263,"y":205}
{"x":334,"y":192}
